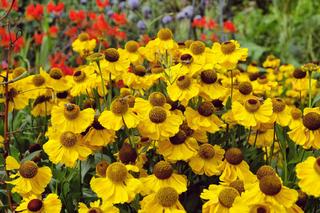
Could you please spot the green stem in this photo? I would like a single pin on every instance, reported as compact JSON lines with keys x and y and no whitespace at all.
{"x":309,"y":90}
{"x":274,"y":139}
{"x":231,"y":86}
{"x":102,"y":84}
{"x":110,"y":92}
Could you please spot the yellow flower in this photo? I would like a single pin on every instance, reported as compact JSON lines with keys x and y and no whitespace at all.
{"x":1,"y":141}
{"x":307,"y":133}
{"x":97,"y":207}
{"x":262,"y":136}
{"x":252,"y":111}
{"x":253,"y":68}
{"x":241,"y":205}
{"x":139,"y":79}
{"x":204,"y":118}
{"x":281,"y":112}
{"x":119,"y":116}
{"x":68,"y":117}
{"x":42,"y":105}
{"x":83,"y":44}
{"x":308,"y":173}
{"x":183,"y":89}
{"x":57,"y":80}
{"x":296,"y":118}
{"x":164,"y":176}
{"x":263,"y":85}
{"x":65,"y":147}
{"x":234,"y":167}
{"x":31,"y":178}
{"x":271,"y":62}
{"x":131,"y":52}
{"x":243,"y":92}
{"x":178,"y":147}
{"x":115,"y":63}
{"x":118,"y":186}
{"x":164,"y":41}
{"x":50,"y":204}
{"x":36,"y":85}
{"x":17,"y":95}
{"x":160,"y":123}
{"x":220,"y":198}
{"x":207,"y":160}
{"x":166,"y":199}
{"x":229,"y":53}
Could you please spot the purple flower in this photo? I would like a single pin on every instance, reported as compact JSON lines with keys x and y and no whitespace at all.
{"x":188,"y":11}
{"x":133,"y":4}
{"x":141,"y":25}
{"x":166,"y":19}
{"x":147,"y":13}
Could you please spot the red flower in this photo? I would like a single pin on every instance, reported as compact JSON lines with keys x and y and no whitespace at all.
{"x":38,"y":38}
{"x":211,"y":24}
{"x":34,"y":12}
{"x":57,"y":9}
{"x":92,"y":15}
{"x":228,"y":26}
{"x":120,"y":84}
{"x":102,"y":3}
{"x":6,"y":38}
{"x":53,"y":31}
{"x":77,"y":16}
{"x":144,"y":39}
{"x":71,"y":32}
{"x":199,"y":22}
{"x":119,"y":19}
{"x":4,"y":4}
{"x":203,"y":37}
{"x":58,"y":60}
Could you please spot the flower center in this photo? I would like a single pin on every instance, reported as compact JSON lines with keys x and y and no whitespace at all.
{"x":310,"y":67}
{"x":127,"y":154}
{"x":252,"y":105}
{"x":270,"y":185}
{"x":34,"y":205}
{"x":184,"y":127}
{"x":178,"y":138}
{"x":117,"y":172}
{"x":208,"y":76}
{"x":167,"y":196}
{"x":206,"y":109}
{"x":119,"y":106}
{"x":254,"y":76}
{"x":183,"y":82}
{"x":206,"y":151}
{"x":62,"y":95}
{"x":79,"y":76}
{"x":18,"y":71}
{"x":259,"y":209}
{"x":265,"y":170}
{"x":28,"y":169}
{"x":228,"y":47}
{"x":56,"y":73}
{"x":41,"y":99}
{"x":157,"y":114}
{"x":186,"y":59}
{"x":38,"y":80}
{"x":95,"y":210}
{"x":132,"y":46}
{"x":112,"y":55}
{"x":311,"y":121}
{"x":296,"y":113}
{"x":71,"y":111}
{"x":245,"y":88}
{"x":139,"y":70}
{"x":299,"y":74}
{"x":317,"y":165}
{"x":278,"y":105}
{"x":197,"y":47}
{"x":227,"y":196}
{"x":68,"y":139}
{"x":238,"y":185}
{"x":83,"y":36}
{"x":12,"y":94}
{"x":157,"y":99}
{"x":157,"y":69}
{"x":262,"y":79}
{"x":162,"y":170}
{"x":234,"y":156}
{"x":101,"y":168}
{"x":165,"y":34}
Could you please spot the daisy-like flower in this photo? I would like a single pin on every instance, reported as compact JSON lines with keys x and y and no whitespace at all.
{"x":57,"y":80}
{"x":307,"y":134}
{"x":271,"y":62}
{"x":164,"y":176}
{"x":308,"y":173}
{"x":131,"y":52}
{"x":263,"y":85}
{"x":234,"y":167}
{"x":178,"y":147}
{"x":164,"y":41}
{"x":296,"y":118}
{"x":243,"y":92}
{"x":241,"y":205}
{"x":160,"y":123}
{"x":37,"y":84}
{"x":262,"y":136}
{"x":166,"y":199}
{"x":65,"y":147}
{"x":118,"y":185}
{"x":183,"y":89}
{"x":50,"y":204}
{"x":229,"y":53}
{"x":299,"y":81}
{"x":138,"y":78}
{"x":114,"y":63}
{"x":83,"y":44}
{"x":204,"y":118}
{"x":281,"y":112}
{"x":207,"y":160}
{"x":98,"y":207}
{"x":42,"y":105}
{"x":120,"y":115}
{"x":18,"y":98}
{"x":252,"y":111}
{"x":220,"y":198}
{"x":210,"y":88}
{"x":68,"y":117}
{"x":31,"y":178}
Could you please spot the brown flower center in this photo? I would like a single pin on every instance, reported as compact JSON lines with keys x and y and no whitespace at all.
{"x":95,"y":210}
{"x":38,"y":80}
{"x":157,"y":69}
{"x":296,"y":113}
{"x":157,"y":99}
{"x":83,"y":36}
{"x":157,"y":114}
{"x":101,"y":168}
{"x":278,"y":105}
{"x":228,"y":47}
{"x":197,"y":47}
{"x":165,"y":34}
{"x":227,"y":196}
{"x":183,"y":82}
{"x":238,"y":185}
{"x":112,"y":55}
{"x":311,"y":121}
{"x":167,"y":196}
{"x":259,"y":209}
{"x":79,"y":76}
{"x":186,"y":59}
{"x":184,"y":127}
{"x":119,"y":106}
{"x":234,"y":156}
{"x":18,"y":71}
{"x":245,"y":88}
{"x":68,"y":139}
{"x":62,"y":95}
{"x":71,"y":111}
{"x":28,"y":169}
{"x":178,"y":138}
{"x":117,"y":172}
{"x":206,"y":109}
{"x":254,"y":76}
{"x":262,"y":79}
{"x":127,"y":154}
{"x":56,"y":73}
{"x":132,"y":46}
{"x":299,"y":74}
{"x":139,"y":70}
{"x":252,"y":105}
{"x":265,"y":170}
{"x":209,"y":76}
{"x":12,"y":94}
{"x":35,"y":205}
{"x":270,"y":185}
{"x":162,"y":170}
{"x":206,"y":151}
{"x":41,"y":99}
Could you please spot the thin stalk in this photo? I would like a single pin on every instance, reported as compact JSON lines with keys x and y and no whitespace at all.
{"x":255,"y":138}
{"x":309,"y":89}
{"x":110,"y":92}
{"x":231,"y":86}
{"x":102,"y":83}
{"x":274,"y":139}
